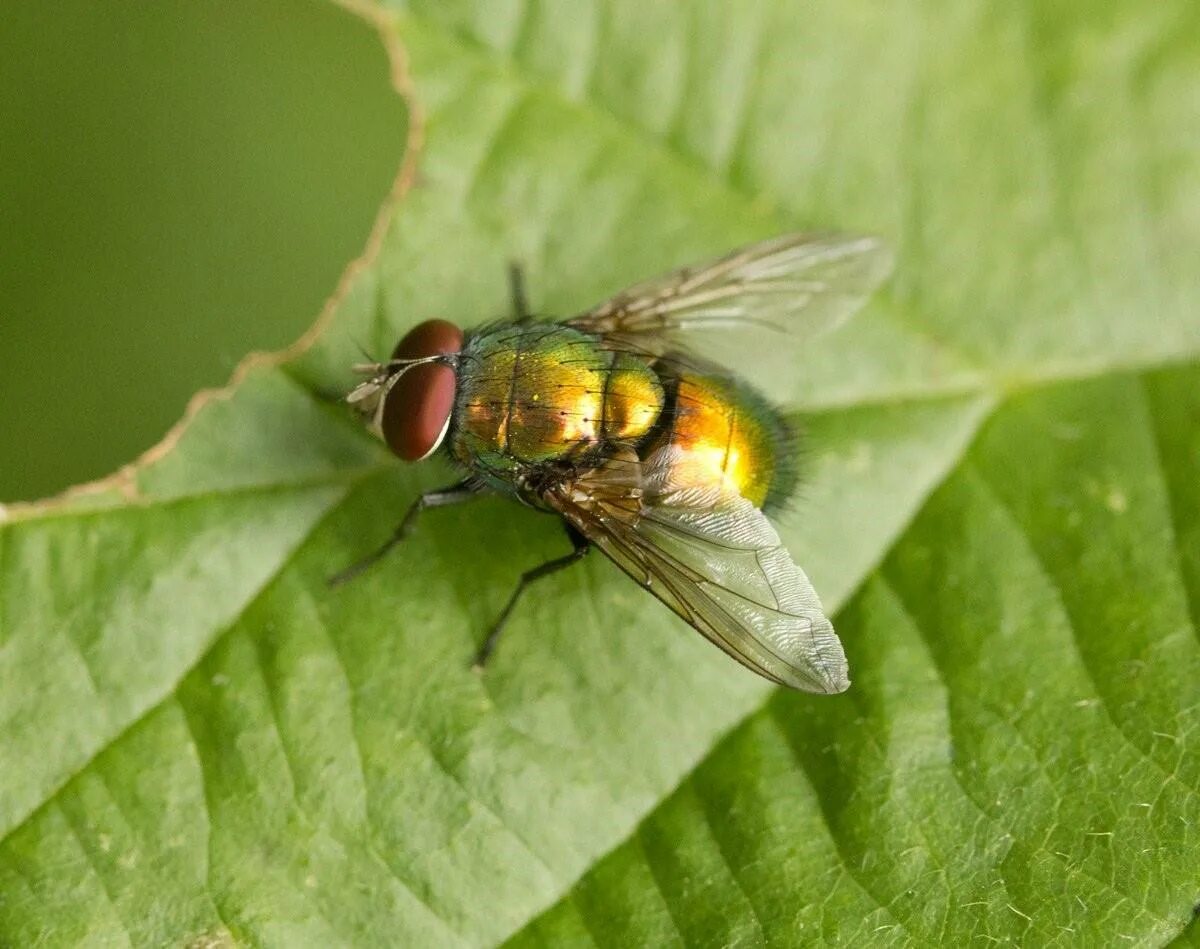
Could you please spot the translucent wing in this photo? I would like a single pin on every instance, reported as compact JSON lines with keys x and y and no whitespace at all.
{"x":774,"y":292}
{"x":713,"y":558}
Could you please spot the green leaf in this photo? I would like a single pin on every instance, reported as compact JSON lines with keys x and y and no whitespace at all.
{"x":201,"y":743}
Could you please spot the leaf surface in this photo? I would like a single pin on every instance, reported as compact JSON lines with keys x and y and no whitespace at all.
{"x":202,"y":742}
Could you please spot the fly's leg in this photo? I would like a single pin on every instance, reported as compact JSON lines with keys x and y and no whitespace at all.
{"x":580,"y":544}
{"x":516,"y":284}
{"x":456,"y":493}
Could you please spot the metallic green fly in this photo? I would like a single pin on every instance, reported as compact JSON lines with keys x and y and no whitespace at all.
{"x":634,"y":423}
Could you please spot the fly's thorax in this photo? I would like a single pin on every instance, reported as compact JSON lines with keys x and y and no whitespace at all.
{"x":535,"y":393}
{"x":729,"y":432}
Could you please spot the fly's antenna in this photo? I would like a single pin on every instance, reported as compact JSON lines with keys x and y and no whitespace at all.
{"x":361,"y":348}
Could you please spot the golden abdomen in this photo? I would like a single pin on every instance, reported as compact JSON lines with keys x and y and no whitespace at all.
{"x":731,"y":434}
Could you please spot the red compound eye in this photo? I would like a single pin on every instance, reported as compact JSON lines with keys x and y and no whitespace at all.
{"x":416,"y":412}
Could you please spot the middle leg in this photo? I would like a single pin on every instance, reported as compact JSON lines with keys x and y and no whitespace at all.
{"x":516,"y":285}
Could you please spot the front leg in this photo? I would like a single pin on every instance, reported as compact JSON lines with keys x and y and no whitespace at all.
{"x":463,"y":491}
{"x":580,"y":544}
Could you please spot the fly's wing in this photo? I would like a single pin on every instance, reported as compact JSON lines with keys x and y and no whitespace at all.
{"x":713,"y":558}
{"x":771,"y":294}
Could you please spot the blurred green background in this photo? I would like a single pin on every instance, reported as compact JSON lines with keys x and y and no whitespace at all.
{"x":180,"y":183}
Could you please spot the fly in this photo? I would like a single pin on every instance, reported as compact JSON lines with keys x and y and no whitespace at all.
{"x":634,"y":424}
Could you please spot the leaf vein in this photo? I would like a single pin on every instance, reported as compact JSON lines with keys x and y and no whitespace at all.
{"x":772,"y":715}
